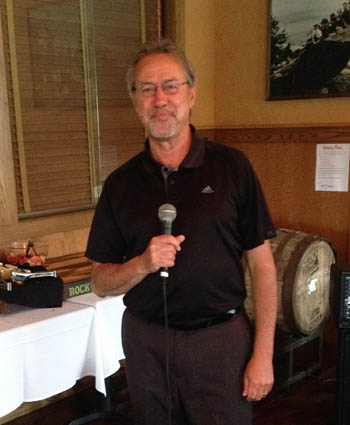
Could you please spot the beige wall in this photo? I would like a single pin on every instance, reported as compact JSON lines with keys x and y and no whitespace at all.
{"x":227,"y":41}
{"x":200,"y":47}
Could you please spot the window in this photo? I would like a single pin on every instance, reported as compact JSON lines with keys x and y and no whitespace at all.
{"x":71,"y":118}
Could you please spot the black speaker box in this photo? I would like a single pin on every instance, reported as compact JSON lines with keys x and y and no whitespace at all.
{"x":341,"y":283}
{"x":340,"y":276}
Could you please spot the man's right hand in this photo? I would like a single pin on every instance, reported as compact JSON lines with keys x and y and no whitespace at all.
{"x":161,"y":252}
{"x":116,"y":279}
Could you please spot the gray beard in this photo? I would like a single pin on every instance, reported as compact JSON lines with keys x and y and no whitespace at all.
{"x":164,"y":134}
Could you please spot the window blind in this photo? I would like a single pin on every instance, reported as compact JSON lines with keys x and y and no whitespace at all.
{"x":60,"y":54}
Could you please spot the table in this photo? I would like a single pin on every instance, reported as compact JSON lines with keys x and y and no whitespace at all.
{"x":45,"y":351}
{"x":42,"y":352}
{"x":105,"y":335}
{"x":108,"y":351}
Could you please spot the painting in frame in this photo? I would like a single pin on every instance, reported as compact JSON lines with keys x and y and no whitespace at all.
{"x":309,"y":49}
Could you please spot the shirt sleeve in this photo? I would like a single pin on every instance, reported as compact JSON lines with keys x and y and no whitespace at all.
{"x":255,"y":223}
{"x":105,"y":243}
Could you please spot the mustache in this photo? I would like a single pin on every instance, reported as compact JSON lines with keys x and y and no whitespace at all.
{"x":158,"y":111}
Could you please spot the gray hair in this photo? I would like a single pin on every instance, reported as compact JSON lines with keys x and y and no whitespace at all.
{"x":165,"y":46}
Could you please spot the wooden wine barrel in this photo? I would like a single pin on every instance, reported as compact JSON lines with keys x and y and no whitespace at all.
{"x":303,"y":264}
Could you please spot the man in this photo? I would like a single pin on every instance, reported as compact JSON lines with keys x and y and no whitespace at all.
{"x":203,"y":369}
{"x":346,"y":13}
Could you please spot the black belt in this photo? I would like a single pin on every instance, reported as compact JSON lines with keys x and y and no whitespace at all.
{"x":220,"y":318}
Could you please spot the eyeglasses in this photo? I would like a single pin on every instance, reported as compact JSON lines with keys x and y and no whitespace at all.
{"x":168,"y":87}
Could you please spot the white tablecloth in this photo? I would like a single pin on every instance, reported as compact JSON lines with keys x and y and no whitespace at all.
{"x":45,"y":351}
{"x":42,"y":352}
{"x":106,"y":347}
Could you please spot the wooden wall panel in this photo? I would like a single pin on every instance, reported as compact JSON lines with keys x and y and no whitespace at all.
{"x":285,"y":161}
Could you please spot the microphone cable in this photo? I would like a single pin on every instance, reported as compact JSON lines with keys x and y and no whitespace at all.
{"x":167,"y":346}
{"x":166,"y":214}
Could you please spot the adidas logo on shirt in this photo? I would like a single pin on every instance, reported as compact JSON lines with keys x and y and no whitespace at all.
{"x":207,"y":189}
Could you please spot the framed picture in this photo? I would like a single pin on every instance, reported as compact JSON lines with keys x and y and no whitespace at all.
{"x":309,"y":49}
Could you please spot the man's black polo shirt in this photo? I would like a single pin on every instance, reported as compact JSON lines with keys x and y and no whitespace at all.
{"x":221,"y":210}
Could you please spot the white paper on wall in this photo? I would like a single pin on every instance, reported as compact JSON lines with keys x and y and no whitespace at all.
{"x":332,"y":167}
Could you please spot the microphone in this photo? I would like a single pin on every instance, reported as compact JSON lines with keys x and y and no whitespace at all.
{"x":166,"y":215}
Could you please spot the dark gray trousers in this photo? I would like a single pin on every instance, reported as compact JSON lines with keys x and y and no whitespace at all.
{"x":205,"y":368}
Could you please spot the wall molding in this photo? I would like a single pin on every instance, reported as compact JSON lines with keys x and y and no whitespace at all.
{"x":327,"y":134}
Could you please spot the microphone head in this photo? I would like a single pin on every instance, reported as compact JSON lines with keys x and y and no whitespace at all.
{"x":167,"y":212}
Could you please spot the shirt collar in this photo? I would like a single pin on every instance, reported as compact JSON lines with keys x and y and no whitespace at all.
{"x":193,"y":159}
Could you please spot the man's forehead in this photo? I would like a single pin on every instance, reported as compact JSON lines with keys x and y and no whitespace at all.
{"x":158,"y":65}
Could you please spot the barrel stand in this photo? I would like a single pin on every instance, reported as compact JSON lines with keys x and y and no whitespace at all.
{"x":296,"y":357}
